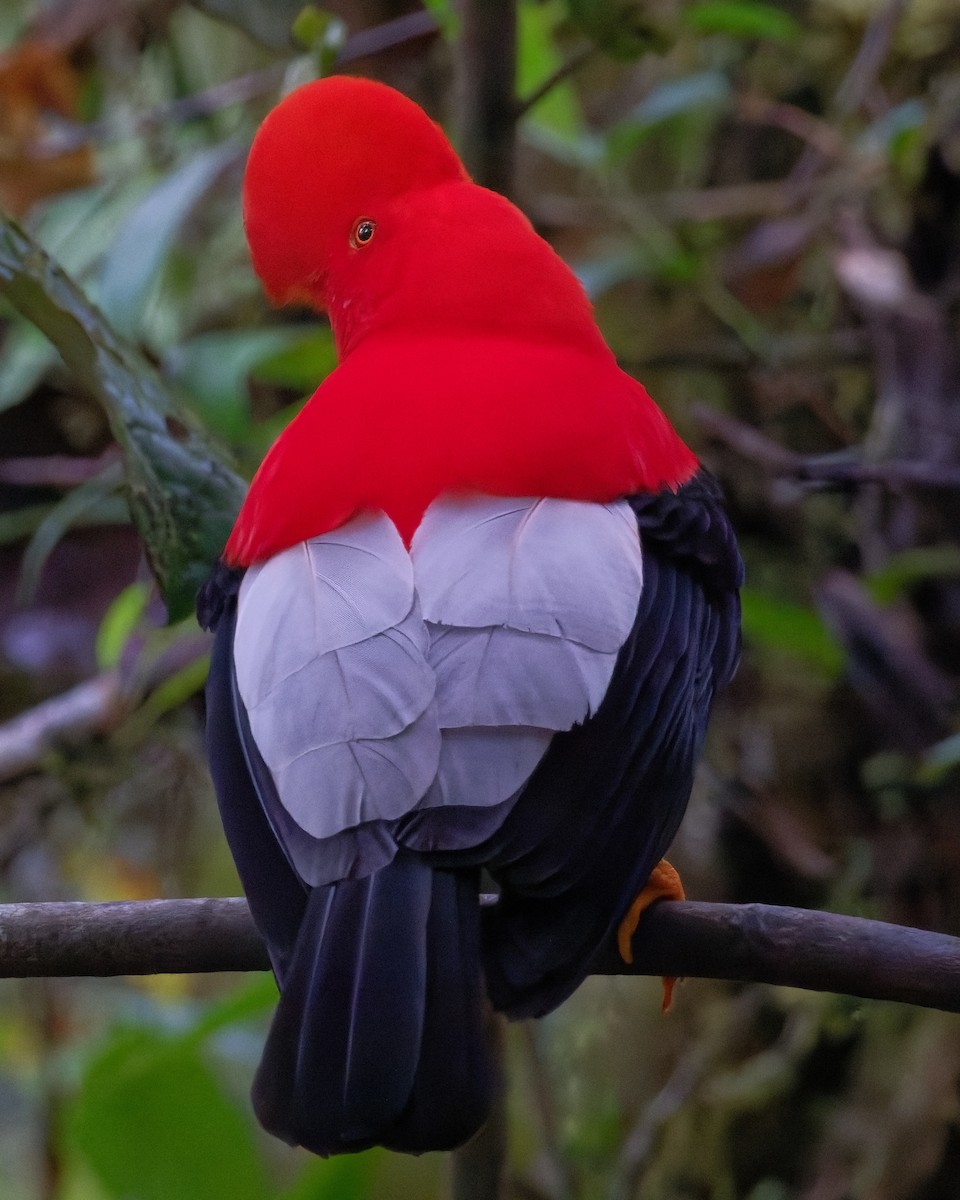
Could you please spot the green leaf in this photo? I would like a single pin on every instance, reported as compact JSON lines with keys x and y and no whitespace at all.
{"x":254,"y":999}
{"x":345,"y":1178}
{"x":706,"y":89}
{"x":133,"y":264}
{"x":173,"y":692}
{"x":90,"y":499}
{"x":213,"y":369}
{"x":154,"y":1124}
{"x":302,"y":364}
{"x":119,"y":622}
{"x":910,"y":567}
{"x":619,"y":27}
{"x":322,"y":33}
{"x":939,"y":761}
{"x":182,"y":493}
{"x":445,"y":14}
{"x":270,"y":23}
{"x":792,"y":629}
{"x":744,"y":19}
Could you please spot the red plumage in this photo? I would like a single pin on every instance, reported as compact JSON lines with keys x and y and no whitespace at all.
{"x":451,"y":377}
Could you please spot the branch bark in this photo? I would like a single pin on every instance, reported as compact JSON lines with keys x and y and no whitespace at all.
{"x":750,"y":942}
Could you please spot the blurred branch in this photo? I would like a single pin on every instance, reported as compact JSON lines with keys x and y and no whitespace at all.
{"x":755,"y":943}
{"x":778,"y":460}
{"x":486,"y":58}
{"x":564,"y":71}
{"x":91,"y":709}
{"x":365,"y":43}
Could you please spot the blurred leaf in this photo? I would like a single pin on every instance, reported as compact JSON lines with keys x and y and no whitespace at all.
{"x":743,"y":18}
{"x":617,"y":26}
{"x":911,"y":567}
{"x":257,"y":997}
{"x":24,"y":360}
{"x":173,"y":692}
{"x":939,"y":761}
{"x":347,"y":1177}
{"x":213,"y":369}
{"x":182,"y":494}
{"x":142,"y":243}
{"x":119,"y":622}
{"x":446,"y":17}
{"x":791,"y":628}
{"x":21,"y":523}
{"x":83,"y":501}
{"x":154,"y":1124}
{"x":270,"y":23}
{"x":322,"y":33}
{"x":537,"y":59}
{"x":706,"y":89}
{"x":303,"y":364}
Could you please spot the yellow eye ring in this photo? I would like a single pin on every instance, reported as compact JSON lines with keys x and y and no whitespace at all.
{"x":363,"y":230}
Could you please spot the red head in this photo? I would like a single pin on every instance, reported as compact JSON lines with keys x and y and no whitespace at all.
{"x":356,"y":203}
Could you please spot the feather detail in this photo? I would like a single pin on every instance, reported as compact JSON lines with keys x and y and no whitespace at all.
{"x":331,"y":668}
{"x":565,"y":568}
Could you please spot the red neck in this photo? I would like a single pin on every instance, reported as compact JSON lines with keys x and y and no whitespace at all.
{"x":404,"y":419}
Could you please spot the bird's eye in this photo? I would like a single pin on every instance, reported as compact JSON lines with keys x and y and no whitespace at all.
{"x":363,"y":231}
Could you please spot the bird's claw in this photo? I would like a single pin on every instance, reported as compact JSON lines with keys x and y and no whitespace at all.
{"x":664,"y":884}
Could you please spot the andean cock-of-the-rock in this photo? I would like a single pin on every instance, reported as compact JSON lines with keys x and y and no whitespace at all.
{"x":472,"y":616}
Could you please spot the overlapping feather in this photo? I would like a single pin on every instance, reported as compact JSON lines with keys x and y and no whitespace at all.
{"x":365,"y":711}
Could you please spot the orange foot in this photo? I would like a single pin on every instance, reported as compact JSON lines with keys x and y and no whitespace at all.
{"x":664,"y":884}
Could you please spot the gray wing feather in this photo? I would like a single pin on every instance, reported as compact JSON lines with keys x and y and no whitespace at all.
{"x":566,"y":568}
{"x":528,"y":602}
{"x":331,"y":667}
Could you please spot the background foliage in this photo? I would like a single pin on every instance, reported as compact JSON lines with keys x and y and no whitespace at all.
{"x":764,"y":203}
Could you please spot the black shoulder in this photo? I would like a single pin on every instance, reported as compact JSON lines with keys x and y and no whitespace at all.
{"x":691,"y":527}
{"x":217,"y":593}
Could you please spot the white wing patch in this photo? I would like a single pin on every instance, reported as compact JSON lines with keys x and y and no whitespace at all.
{"x":561,"y":567}
{"x":528,"y":602}
{"x":331,"y":667}
{"x":364,"y":710}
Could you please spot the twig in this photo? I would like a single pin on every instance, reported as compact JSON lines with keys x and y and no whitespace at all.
{"x":760,"y":110}
{"x":560,"y":1171}
{"x":749,"y":942}
{"x":363,"y":44}
{"x":54,"y":470}
{"x":665,"y":1104}
{"x":564,"y":71}
{"x":91,"y":708}
{"x":896,"y":475}
{"x":856,"y":84}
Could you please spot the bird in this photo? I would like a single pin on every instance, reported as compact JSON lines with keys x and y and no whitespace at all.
{"x":471,"y":619}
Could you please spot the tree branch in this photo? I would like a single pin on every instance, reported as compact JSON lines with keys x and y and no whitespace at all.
{"x":748,"y":942}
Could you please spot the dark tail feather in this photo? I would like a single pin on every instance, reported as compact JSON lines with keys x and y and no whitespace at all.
{"x":456,"y":1077}
{"x":367,"y":1045}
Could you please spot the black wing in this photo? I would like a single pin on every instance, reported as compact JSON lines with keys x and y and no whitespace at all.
{"x":606,"y":801}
